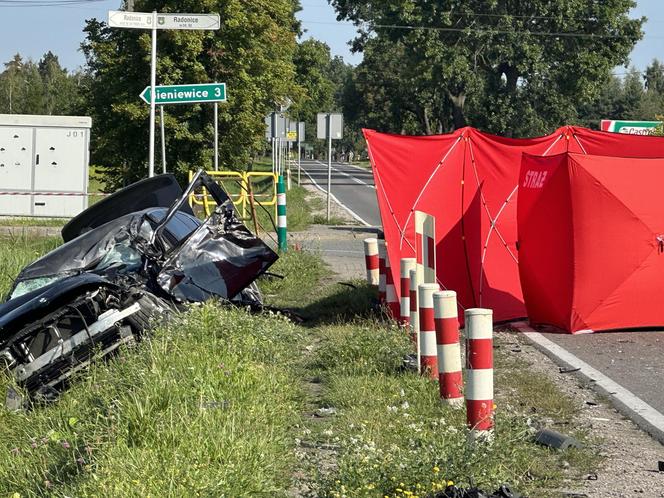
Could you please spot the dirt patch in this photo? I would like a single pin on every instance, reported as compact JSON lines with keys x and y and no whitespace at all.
{"x":630,"y":465}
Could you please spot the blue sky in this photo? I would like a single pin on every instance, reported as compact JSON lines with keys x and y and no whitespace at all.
{"x":32,"y":31}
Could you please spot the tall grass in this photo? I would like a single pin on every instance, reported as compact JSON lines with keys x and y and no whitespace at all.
{"x":204,"y":408}
{"x":395,"y":437}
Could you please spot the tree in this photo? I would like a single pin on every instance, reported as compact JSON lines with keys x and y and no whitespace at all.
{"x":510,"y":67}
{"x":43,"y":88}
{"x":252,"y":53}
{"x":312,"y":68}
{"x":60,"y":90}
{"x":11,"y":82}
{"x":654,"y":77}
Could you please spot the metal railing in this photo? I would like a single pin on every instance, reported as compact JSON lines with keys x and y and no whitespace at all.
{"x":242,"y":200}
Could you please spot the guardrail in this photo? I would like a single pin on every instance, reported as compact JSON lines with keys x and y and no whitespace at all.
{"x":246,"y":195}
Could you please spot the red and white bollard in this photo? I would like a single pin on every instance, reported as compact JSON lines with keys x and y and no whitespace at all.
{"x":425,"y":246}
{"x":428,"y":349}
{"x":479,"y":373}
{"x":382,"y":277}
{"x":407,"y":264}
{"x":449,"y":349}
{"x":390,"y":290}
{"x":371,"y":261}
{"x":414,"y":315}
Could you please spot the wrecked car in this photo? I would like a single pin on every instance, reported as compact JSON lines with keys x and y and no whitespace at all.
{"x":132,"y":257}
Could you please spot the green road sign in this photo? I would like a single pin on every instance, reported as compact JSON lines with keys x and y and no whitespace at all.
{"x":629,"y":127}
{"x":186,"y":94}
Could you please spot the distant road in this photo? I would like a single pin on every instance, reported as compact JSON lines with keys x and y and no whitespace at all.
{"x":352,"y":186}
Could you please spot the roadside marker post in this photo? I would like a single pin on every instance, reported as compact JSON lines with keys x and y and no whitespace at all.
{"x":154,"y":21}
{"x":449,"y":350}
{"x":382,"y":277}
{"x":406,"y":265}
{"x":414,"y":315}
{"x":479,"y":373}
{"x":371,"y":261}
{"x":428,"y":349}
{"x":425,"y":246}
{"x":281,"y":215}
{"x":390,"y":290}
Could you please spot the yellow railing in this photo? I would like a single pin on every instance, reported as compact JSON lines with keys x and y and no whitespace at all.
{"x":242,"y":180}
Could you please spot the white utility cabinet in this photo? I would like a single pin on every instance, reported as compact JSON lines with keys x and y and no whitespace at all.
{"x":44,"y":165}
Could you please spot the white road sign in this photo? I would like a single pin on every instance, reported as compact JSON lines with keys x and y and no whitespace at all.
{"x":188,"y":21}
{"x":145,"y":20}
{"x":135,"y":20}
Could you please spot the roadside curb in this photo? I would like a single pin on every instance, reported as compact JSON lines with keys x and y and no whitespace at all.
{"x":641,"y":413}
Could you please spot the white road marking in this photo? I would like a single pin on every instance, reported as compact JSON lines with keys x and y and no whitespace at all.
{"x":644,"y":415}
{"x":350,"y":211}
{"x":356,"y":180}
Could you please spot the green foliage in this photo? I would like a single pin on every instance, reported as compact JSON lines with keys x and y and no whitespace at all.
{"x":252,"y":53}
{"x":512,"y":68}
{"x":42,"y":88}
{"x":324,"y":80}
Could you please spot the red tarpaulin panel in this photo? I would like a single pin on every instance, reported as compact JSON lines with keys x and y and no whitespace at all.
{"x":591,"y":241}
{"x":468,"y":180}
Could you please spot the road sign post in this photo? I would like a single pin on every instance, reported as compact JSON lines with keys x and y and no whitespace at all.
{"x":153,"y":84}
{"x":216,"y":136}
{"x":300,"y":138}
{"x":329,"y":126}
{"x":154,"y":21}
{"x":163,"y":139}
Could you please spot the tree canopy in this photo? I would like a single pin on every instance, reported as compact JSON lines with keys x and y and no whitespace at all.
{"x":509,"y":67}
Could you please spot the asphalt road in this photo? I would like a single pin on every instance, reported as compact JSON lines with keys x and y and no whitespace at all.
{"x":352,"y":186}
{"x":633,"y":359}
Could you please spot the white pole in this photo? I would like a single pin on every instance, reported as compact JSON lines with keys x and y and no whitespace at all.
{"x":163,"y":139}
{"x":299,"y":154}
{"x":329,"y":163}
{"x":288,"y":162}
{"x":216,"y":136}
{"x":153,"y":97}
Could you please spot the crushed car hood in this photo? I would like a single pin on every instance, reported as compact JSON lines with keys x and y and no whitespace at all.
{"x":158,"y":191}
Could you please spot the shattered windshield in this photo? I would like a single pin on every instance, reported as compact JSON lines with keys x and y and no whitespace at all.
{"x":26,"y":286}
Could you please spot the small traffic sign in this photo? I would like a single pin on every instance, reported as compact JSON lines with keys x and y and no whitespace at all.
{"x":133,"y":20}
{"x":186,"y":94}
{"x":188,"y":21}
{"x":629,"y":127}
{"x":335,"y":122}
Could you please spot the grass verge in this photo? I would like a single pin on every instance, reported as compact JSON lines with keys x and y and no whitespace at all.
{"x":396,"y":439}
{"x":220,"y":403}
{"x":204,"y":408}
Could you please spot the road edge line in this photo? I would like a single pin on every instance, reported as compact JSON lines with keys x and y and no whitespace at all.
{"x":638,"y":411}
{"x":350,"y":211}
